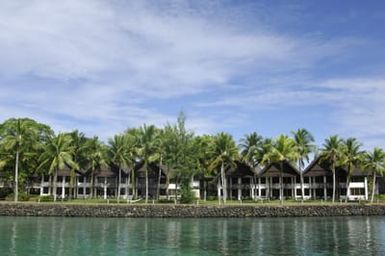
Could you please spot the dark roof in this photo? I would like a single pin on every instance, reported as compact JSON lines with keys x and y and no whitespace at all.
{"x":106,"y":172}
{"x":241,"y":170}
{"x":273,"y":170}
{"x":319,"y":167}
{"x":153,"y":169}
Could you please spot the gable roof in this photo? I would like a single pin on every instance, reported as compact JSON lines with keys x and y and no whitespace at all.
{"x":322,"y":168}
{"x":273,"y":170}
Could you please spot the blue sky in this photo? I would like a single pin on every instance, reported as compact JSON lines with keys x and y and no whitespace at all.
{"x":234,"y":66}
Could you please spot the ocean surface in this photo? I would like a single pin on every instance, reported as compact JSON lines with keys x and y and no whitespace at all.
{"x":215,"y":236}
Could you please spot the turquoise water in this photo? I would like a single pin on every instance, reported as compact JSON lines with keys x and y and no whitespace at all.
{"x":275,"y":236}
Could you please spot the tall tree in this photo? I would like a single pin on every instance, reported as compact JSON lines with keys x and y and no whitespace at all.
{"x":224,"y":153}
{"x":78,"y":143}
{"x":147,"y":149}
{"x":282,"y":150}
{"x":58,"y":154}
{"x":331,"y":153}
{"x":19,"y":137}
{"x":118,"y":153}
{"x":95,"y":159}
{"x":304,"y":146}
{"x":351,"y":158}
{"x":251,"y":145}
{"x":374,"y":163}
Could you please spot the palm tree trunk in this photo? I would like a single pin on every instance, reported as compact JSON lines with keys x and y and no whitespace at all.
{"x":16,"y":192}
{"x":301,"y":177}
{"x":119,"y":180}
{"x":374,"y":187}
{"x":92,"y":184}
{"x":347,"y":186}
{"x":128,"y":186}
{"x":159,"y":174}
{"x":55,"y":186}
{"x":224,"y":190}
{"x":133,"y":184}
{"x":146,"y":173}
{"x":281,"y":183}
{"x":334,"y":182}
{"x":167,"y":184}
{"x":204,"y":190}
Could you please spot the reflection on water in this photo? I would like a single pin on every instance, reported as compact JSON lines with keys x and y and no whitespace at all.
{"x":278,"y":236}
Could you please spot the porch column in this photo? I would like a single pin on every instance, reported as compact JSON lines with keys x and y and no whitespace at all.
{"x":292,"y":187}
{"x":295,"y":187}
{"x":251,"y":188}
{"x":128,"y":185}
{"x":63,"y":187}
{"x":280,"y":190}
{"x":366,"y":187}
{"x":219,"y":191}
{"x":41,"y":185}
{"x":314,"y":188}
{"x":259,"y":187}
{"x":271,"y":187}
{"x":325,"y":189}
{"x":239,"y":188}
{"x":231,"y":187}
{"x":105,"y":188}
{"x":84,"y":186}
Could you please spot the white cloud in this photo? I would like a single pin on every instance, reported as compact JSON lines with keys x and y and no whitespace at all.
{"x":98,"y":65}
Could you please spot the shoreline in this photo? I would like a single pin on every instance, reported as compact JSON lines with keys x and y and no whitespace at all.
{"x":186,"y":211}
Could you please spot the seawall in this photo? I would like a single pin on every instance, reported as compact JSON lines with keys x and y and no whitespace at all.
{"x":185,"y":211}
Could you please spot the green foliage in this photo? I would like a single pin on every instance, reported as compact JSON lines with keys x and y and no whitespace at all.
{"x":23,"y":197}
{"x":187,"y":195}
{"x":46,"y":198}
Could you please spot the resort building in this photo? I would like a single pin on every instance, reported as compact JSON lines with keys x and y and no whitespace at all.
{"x":243,"y":183}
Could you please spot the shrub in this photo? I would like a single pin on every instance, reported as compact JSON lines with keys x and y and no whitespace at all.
{"x":21,"y":197}
{"x":187,"y":195}
{"x":46,"y":198}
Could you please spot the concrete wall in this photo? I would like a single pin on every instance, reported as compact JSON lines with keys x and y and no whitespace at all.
{"x":185,"y":211}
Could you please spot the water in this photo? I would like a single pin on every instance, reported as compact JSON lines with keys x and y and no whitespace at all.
{"x":275,"y":236}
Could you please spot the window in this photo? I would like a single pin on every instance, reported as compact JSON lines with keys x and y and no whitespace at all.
{"x":80,"y":191}
{"x":299,"y":192}
{"x":263,"y":192}
{"x":357,"y":191}
{"x":319,"y":179}
{"x":305,"y":180}
{"x":307,"y":192}
{"x":275,"y":179}
{"x":286,"y":180}
{"x":81,"y":179}
{"x":45,"y":190}
{"x":263,"y":180}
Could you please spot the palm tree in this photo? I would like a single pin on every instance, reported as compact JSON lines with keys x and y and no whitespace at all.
{"x":16,"y":133}
{"x":304,"y":146}
{"x":251,"y":147}
{"x":224,"y":153}
{"x":375,"y":163}
{"x":283,"y":149}
{"x":331,"y":152}
{"x":351,"y":157}
{"x":147,"y":149}
{"x":58,"y":153}
{"x":118,"y":154}
{"x":79,"y":145}
{"x":95,"y":158}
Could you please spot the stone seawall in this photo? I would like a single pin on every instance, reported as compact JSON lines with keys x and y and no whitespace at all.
{"x":185,"y":211}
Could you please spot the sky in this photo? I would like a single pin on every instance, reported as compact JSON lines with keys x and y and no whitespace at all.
{"x":235,"y":66}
